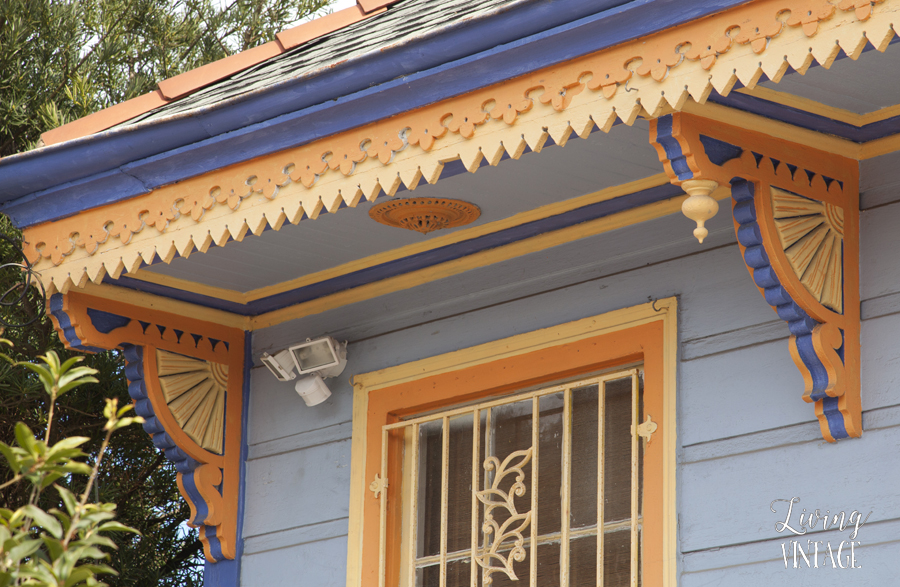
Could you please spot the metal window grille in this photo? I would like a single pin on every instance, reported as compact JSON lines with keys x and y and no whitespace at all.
{"x":541,"y":488}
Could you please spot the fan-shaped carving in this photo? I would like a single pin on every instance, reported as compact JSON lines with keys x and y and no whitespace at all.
{"x":195,"y":393}
{"x":812,"y":237}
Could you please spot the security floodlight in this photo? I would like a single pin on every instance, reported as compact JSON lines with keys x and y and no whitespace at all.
{"x":312,"y":389}
{"x":323,"y":356}
{"x":314,"y":360}
{"x":281,"y":365}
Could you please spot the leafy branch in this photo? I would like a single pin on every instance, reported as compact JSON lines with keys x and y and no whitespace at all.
{"x":58,"y":547}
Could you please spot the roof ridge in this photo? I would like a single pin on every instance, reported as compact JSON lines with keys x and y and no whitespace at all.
{"x":183,"y":84}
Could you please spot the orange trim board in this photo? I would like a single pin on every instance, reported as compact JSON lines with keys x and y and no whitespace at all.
{"x":198,"y":339}
{"x":644,"y":343}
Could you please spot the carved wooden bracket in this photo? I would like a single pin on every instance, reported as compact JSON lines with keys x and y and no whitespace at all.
{"x":796,"y":214}
{"x":186,"y":378}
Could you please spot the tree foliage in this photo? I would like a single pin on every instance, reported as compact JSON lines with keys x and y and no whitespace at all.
{"x":61,"y":60}
{"x":61,"y":545}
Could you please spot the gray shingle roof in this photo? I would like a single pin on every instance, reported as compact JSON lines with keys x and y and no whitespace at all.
{"x":402,"y":23}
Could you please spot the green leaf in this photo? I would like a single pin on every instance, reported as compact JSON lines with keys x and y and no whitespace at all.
{"x":43,"y":374}
{"x":54,"y":547}
{"x":70,"y":442}
{"x":117,"y":527}
{"x":77,"y":468}
{"x":69,"y":499}
{"x":50,"y":479}
{"x":25,"y":438}
{"x":24,"y":548}
{"x":44,"y":520}
{"x":10,"y":456}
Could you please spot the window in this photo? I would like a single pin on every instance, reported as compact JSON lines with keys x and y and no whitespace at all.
{"x":480,"y":470}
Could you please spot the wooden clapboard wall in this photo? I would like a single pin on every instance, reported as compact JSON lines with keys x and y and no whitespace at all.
{"x":745,"y":435}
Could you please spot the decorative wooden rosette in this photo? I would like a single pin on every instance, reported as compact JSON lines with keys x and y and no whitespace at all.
{"x":796,"y":214}
{"x":185,"y":377}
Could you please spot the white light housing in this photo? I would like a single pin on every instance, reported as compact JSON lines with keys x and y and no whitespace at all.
{"x":281,"y":365}
{"x":312,"y":389}
{"x":323,"y":356}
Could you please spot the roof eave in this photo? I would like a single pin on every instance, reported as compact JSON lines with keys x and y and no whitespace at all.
{"x":125,"y":162}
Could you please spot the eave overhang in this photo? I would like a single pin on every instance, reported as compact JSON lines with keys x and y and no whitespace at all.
{"x":660,"y":73}
{"x":133,"y":160}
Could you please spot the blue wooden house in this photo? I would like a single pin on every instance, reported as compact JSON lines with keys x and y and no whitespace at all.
{"x":512,"y":292}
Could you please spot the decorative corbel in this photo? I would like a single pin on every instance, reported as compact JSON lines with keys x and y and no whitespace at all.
{"x":796,"y":215}
{"x":186,"y":379}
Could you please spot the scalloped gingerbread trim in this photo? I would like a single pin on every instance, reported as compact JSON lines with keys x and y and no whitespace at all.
{"x":642,"y":77}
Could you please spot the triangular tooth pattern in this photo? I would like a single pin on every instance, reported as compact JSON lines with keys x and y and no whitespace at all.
{"x":167,"y":253}
{"x":276,"y":218}
{"x":879,"y":32}
{"x":470,"y":154}
{"x":148,"y":255}
{"x":604,"y":116}
{"x":132,"y":261}
{"x":492,"y":149}
{"x":114,"y":267}
{"x":256,"y":221}
{"x":67,"y":284}
{"x":515,"y":145}
{"x":580,"y":120}
{"x":629,"y":112}
{"x":369,"y":187}
{"x":825,"y":53}
{"x":749,"y":72}
{"x":852,"y":40}
{"x":560,"y":132}
{"x":312,"y":204}
{"x":536,"y":137}
{"x":653,"y":101}
{"x":314,"y":208}
{"x":700,"y":91}
{"x":431,"y":170}
{"x":352,"y":197}
{"x":676,"y":95}
{"x":293,"y":209}
{"x":51,"y":287}
{"x":202,"y":241}
{"x":95,"y":271}
{"x":237,"y":228}
{"x":82,"y":278}
{"x":220,"y":235}
{"x":410,"y":175}
{"x":391,"y":184}
{"x":184,"y":244}
{"x":800,"y":58}
{"x":723,"y":78}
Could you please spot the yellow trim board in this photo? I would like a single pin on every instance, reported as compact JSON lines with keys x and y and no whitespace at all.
{"x":473,"y":261}
{"x":820,"y":109}
{"x":155,"y":302}
{"x":665,"y":310}
{"x":539,"y":213}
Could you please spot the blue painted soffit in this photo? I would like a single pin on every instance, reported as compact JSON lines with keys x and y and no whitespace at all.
{"x":64,"y":179}
{"x":413,"y":262}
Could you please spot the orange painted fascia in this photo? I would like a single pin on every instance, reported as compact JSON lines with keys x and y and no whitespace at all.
{"x":308,"y":31}
{"x":644,"y":343}
{"x":189,"y":81}
{"x":105,"y":118}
